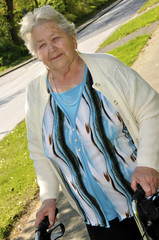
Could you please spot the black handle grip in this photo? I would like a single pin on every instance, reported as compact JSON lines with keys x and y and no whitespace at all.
{"x":139,"y":193}
{"x":43,"y":226}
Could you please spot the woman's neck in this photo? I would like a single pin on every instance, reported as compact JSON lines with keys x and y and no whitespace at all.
{"x":69,"y":78}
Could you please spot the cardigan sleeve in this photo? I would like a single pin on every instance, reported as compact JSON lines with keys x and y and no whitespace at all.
{"x":143,"y":102}
{"x":145,"y":107}
{"x":135,"y":99}
{"x":47,"y":181}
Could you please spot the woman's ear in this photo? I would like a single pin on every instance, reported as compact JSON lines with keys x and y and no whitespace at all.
{"x":74,"y":41}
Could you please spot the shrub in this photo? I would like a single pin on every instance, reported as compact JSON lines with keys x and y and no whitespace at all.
{"x":11,"y":52}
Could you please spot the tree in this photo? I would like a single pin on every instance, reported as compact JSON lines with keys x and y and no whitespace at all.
{"x":36,"y":3}
{"x":11,"y":11}
{"x":11,"y":22}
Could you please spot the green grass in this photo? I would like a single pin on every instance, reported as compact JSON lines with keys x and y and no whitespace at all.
{"x":18,"y":184}
{"x":129,"y":52}
{"x":17,"y":62}
{"x":148,"y":4}
{"x":133,"y":25}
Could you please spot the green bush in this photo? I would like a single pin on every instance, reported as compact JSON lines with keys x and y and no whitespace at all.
{"x":9,"y":52}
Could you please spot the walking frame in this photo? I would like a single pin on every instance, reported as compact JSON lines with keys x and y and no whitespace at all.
{"x":146,"y":214}
{"x":51,"y":234}
{"x":145,"y":211}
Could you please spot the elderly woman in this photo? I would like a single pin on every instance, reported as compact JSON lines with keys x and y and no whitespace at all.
{"x":92,"y":127}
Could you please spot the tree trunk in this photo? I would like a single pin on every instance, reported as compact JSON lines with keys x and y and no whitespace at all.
{"x":36,"y":3}
{"x":10,"y":20}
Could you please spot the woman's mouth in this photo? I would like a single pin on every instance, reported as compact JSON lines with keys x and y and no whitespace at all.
{"x":56,"y":57}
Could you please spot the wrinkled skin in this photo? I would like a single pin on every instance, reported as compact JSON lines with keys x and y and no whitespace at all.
{"x":47,"y":209}
{"x":147,"y":177}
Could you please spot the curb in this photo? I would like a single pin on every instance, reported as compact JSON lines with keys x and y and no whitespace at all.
{"x":79,"y":29}
{"x":83,"y":26}
{"x":16,"y":67}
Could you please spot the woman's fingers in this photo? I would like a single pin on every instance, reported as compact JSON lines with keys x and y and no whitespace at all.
{"x":148,"y":178}
{"x":47,"y":209}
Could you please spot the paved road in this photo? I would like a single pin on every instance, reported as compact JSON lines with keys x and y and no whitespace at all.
{"x":12,"y":95}
{"x":92,"y":36}
{"x":13,"y":85}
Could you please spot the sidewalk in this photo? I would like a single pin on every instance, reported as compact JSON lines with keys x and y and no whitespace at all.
{"x":74,"y":227}
{"x":147,"y":63}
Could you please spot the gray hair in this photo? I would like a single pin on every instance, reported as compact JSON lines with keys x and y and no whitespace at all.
{"x":39,"y":16}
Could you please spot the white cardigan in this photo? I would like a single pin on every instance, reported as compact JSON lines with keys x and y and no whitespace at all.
{"x":136,"y":101}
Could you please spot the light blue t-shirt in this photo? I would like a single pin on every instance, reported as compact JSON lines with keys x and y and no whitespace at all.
{"x":70,"y":99}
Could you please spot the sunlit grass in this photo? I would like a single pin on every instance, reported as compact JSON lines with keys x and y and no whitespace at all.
{"x":17,"y":178}
{"x":148,"y":4}
{"x":130,"y":51}
{"x":133,"y":25}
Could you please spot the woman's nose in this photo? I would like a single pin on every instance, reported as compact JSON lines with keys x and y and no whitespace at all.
{"x":51,"y":47}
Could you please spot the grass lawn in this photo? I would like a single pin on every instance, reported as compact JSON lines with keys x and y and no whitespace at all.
{"x":148,"y":4}
{"x":133,"y":25}
{"x":18,"y":184}
{"x":129,"y":52}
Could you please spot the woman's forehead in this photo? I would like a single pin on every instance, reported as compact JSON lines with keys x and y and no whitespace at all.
{"x":46,"y":29}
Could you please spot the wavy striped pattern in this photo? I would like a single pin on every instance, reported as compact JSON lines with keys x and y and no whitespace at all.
{"x":98,"y":176}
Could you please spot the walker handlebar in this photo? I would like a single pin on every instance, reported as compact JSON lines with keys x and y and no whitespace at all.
{"x":139,"y":194}
{"x":43,"y":234}
{"x":144,"y":210}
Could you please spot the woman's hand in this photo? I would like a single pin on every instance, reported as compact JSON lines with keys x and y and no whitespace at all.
{"x":47,"y":209}
{"x":147,"y":177}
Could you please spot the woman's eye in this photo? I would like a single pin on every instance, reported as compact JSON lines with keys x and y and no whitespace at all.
{"x":42,"y":45}
{"x":55,"y":39}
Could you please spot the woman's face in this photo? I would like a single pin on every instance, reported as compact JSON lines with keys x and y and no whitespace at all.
{"x":54,"y":47}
